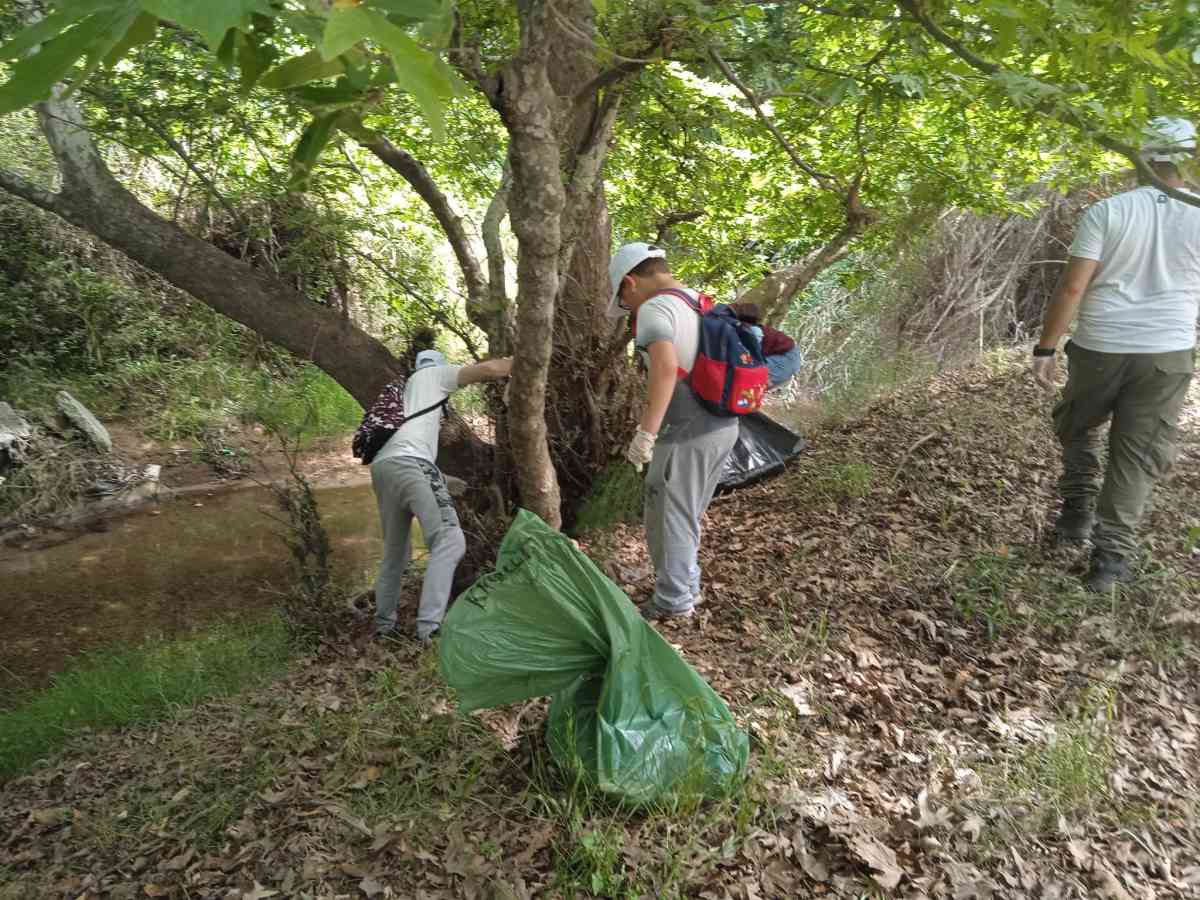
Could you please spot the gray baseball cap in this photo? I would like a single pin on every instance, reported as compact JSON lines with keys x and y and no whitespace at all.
{"x":1169,"y":139}
{"x":429,"y":358}
{"x":623,"y":262}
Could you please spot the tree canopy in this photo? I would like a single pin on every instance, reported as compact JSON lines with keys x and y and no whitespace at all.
{"x":762,"y":142}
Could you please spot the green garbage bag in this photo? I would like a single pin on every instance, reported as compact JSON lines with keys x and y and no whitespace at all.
{"x":637,"y":719}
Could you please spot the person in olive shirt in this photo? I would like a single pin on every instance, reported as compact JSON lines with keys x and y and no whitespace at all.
{"x":1134,"y":278}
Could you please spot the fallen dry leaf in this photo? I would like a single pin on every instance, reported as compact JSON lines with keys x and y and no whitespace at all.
{"x":798,"y":694}
{"x":881,"y":859}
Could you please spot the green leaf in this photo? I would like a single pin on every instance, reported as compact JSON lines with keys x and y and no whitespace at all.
{"x":34,"y":76}
{"x":53,"y":25}
{"x":225,"y":53}
{"x":253,"y":60}
{"x":301,"y":70}
{"x":211,"y":18}
{"x":412,"y":9}
{"x":418,"y":73}
{"x":417,"y":70}
{"x":117,"y":24}
{"x":142,"y":31}
{"x":341,"y":94}
{"x":308,"y":150}
{"x":347,"y":26}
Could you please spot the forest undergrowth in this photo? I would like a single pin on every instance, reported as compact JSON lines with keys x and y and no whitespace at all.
{"x":936,"y":709}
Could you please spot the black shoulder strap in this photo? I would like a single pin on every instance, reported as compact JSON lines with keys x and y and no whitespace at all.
{"x":427,"y":409}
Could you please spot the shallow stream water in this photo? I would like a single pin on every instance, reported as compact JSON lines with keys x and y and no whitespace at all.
{"x":187,"y":562}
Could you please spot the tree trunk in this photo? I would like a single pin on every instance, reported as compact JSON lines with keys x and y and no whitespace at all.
{"x":590,"y":409}
{"x":774,"y":294}
{"x":527,"y":105}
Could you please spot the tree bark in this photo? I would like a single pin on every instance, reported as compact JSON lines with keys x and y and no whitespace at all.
{"x":774,"y":294}
{"x":590,"y":406}
{"x":527,"y":105}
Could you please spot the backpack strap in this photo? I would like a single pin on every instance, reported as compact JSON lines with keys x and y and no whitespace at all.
{"x":697,"y":306}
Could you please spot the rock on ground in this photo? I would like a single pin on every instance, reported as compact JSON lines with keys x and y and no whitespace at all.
{"x":81,"y":417}
{"x":14,"y":430}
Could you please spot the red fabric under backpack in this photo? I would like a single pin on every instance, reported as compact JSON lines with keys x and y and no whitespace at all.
{"x":730,"y":374}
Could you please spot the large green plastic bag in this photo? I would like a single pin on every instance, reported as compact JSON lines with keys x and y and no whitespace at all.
{"x":626,"y":709}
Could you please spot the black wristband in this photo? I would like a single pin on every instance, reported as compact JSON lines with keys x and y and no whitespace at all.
{"x":1043,"y":351}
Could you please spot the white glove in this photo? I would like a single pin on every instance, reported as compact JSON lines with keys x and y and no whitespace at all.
{"x":641,"y":448}
{"x":1044,"y":370}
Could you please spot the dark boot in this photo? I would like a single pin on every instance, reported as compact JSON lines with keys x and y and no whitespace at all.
{"x":1107,"y":570}
{"x":1075,"y":521}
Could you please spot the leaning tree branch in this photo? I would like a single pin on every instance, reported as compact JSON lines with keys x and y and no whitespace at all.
{"x":497,"y":306}
{"x":469,"y":63}
{"x":664,"y":225}
{"x":1063,"y":113}
{"x":621,"y":70}
{"x":27,"y":190}
{"x":411,"y":170}
{"x":824,"y":179}
{"x":91,"y":198}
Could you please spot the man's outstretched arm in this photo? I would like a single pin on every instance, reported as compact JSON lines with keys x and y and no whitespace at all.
{"x":488,"y":370}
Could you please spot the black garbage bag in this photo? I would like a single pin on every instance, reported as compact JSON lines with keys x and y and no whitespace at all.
{"x":762,"y":448}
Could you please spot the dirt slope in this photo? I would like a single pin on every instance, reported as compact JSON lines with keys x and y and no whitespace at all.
{"x":936,"y":709}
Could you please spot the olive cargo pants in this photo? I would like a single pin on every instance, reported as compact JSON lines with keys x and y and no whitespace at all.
{"x":1143,"y":394}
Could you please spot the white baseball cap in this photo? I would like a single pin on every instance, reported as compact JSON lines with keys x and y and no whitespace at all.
{"x":1169,"y":139}
{"x":429,"y":358}
{"x":623,"y":262}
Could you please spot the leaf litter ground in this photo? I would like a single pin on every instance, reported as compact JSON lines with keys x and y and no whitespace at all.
{"x":936,"y":710}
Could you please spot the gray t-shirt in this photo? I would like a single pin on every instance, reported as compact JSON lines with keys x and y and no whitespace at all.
{"x":667,"y":317}
{"x":419,"y":437}
{"x":1144,"y":296}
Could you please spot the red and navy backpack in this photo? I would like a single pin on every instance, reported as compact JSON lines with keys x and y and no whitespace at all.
{"x":730,"y":374}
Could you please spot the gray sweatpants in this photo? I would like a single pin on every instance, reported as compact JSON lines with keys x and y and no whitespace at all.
{"x":406,"y":486}
{"x":680,"y":483}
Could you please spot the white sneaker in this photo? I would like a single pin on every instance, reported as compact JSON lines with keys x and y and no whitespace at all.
{"x":650,"y":612}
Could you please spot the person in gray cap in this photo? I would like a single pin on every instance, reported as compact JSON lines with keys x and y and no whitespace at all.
{"x":684,"y":444}
{"x":408,"y":483}
{"x":1134,"y":278}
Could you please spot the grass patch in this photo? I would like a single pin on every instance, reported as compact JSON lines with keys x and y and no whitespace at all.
{"x":616,"y":496}
{"x":982,"y":592}
{"x":845,"y":481}
{"x":1064,"y":773}
{"x":1019,"y":589}
{"x":796,"y":633}
{"x":114,"y":688}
